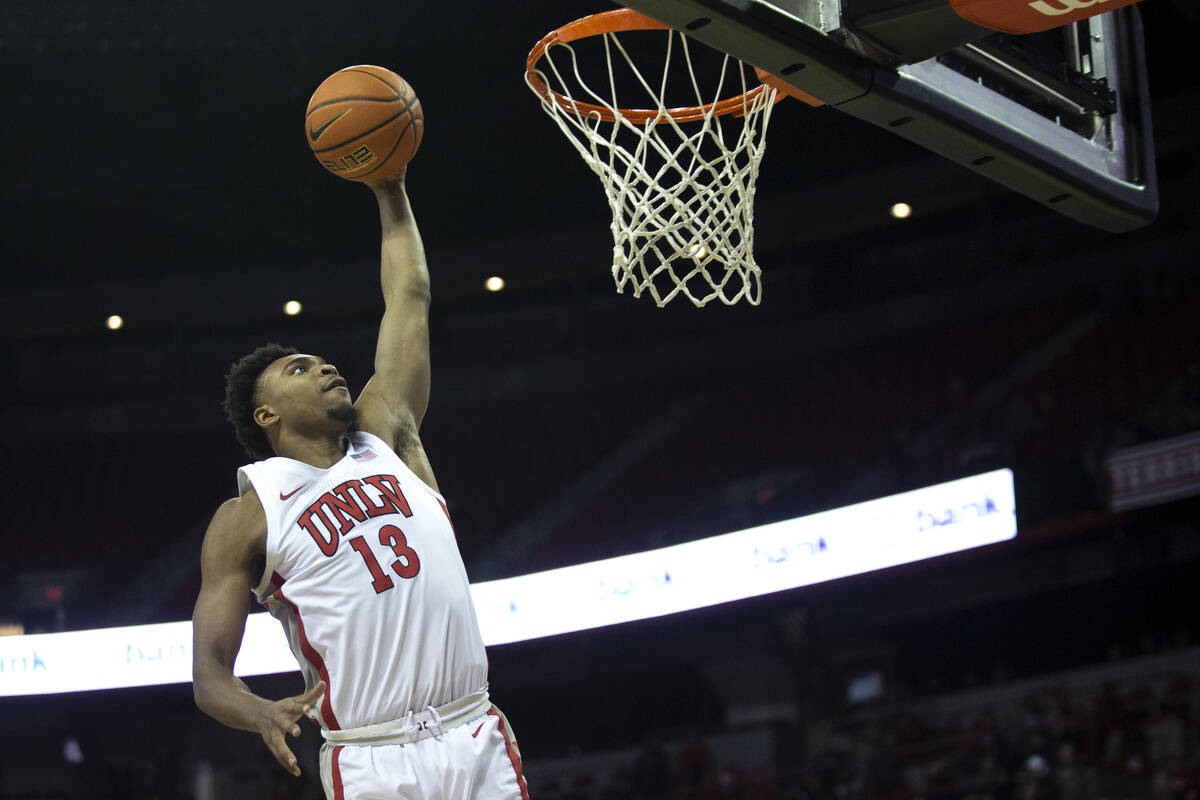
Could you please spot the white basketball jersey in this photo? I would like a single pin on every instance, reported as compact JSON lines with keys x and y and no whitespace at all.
{"x":364,"y":573}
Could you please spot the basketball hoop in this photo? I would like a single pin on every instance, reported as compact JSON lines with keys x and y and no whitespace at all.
{"x":680,"y":183}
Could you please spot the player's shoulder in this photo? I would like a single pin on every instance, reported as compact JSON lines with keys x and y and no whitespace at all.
{"x":238,"y":521}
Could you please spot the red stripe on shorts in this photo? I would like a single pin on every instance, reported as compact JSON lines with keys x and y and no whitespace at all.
{"x":310,"y":654}
{"x":338,"y":793}
{"x":512,"y":754}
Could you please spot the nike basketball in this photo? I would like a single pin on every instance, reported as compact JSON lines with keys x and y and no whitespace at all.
{"x":364,"y":123}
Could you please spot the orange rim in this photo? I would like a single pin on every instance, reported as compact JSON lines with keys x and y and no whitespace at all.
{"x":616,"y":21}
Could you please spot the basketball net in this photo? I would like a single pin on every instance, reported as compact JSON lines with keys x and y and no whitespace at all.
{"x":679,"y":182}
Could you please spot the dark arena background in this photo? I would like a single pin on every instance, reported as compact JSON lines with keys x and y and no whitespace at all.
{"x":157,"y":170}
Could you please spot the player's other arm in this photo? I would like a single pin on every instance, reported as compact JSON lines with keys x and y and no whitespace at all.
{"x":233,"y":545}
{"x":394,"y":401}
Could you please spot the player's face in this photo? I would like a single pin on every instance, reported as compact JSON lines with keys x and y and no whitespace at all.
{"x":306,"y":386}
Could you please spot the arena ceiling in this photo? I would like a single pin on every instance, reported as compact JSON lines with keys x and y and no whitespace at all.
{"x":157,"y":168}
{"x":162,"y":139}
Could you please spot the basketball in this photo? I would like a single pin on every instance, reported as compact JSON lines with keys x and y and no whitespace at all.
{"x":364,"y":123}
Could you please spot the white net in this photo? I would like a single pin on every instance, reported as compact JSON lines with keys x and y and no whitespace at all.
{"x":680,"y":185}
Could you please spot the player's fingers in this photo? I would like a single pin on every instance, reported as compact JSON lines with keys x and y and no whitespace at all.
{"x":311,"y":696}
{"x":282,"y":753}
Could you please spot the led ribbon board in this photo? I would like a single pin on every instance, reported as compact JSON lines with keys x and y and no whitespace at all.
{"x":864,"y":537}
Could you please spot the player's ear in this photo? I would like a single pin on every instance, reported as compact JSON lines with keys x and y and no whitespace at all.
{"x":265,"y":416}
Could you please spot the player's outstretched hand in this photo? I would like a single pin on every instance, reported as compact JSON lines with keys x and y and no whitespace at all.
{"x":281,"y":718}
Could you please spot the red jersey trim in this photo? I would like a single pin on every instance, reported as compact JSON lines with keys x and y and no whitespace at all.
{"x":310,"y":654}
{"x":446,"y":511}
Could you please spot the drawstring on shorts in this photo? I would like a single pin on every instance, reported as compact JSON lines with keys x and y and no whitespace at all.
{"x":416,"y":725}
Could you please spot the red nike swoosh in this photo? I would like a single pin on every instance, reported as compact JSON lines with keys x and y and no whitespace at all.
{"x":283,"y":496}
{"x":477,"y":730}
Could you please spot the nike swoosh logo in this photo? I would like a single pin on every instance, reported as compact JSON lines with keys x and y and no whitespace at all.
{"x":314,"y":135}
{"x":283,"y":496}
{"x":477,"y":730}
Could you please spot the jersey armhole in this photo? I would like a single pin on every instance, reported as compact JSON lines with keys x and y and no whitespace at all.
{"x":250,"y":477}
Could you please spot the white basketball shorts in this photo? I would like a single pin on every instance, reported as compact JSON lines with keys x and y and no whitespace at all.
{"x":476,"y":760}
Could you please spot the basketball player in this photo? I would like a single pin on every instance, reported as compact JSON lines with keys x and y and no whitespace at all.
{"x":340,"y":531}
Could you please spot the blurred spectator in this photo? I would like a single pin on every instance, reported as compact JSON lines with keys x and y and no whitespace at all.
{"x":651,"y":772}
{"x":695,"y":771}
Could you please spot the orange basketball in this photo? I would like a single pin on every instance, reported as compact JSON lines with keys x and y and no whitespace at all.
{"x":364,"y":123}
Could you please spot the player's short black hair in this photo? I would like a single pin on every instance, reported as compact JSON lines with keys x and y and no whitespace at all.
{"x":241,"y":397}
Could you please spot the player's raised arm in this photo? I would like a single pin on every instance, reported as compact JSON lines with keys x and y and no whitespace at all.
{"x":232,"y":548}
{"x":393,"y":402}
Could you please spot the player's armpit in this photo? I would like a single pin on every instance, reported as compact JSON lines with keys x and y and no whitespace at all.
{"x":400,"y":433}
{"x":412,"y":453}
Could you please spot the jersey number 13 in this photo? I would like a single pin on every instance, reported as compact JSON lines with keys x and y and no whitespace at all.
{"x":406,"y":565}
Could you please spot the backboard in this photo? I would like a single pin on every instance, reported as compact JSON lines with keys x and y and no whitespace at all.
{"x":1061,"y":116}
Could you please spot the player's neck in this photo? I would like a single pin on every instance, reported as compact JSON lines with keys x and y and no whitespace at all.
{"x":321,"y":452}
